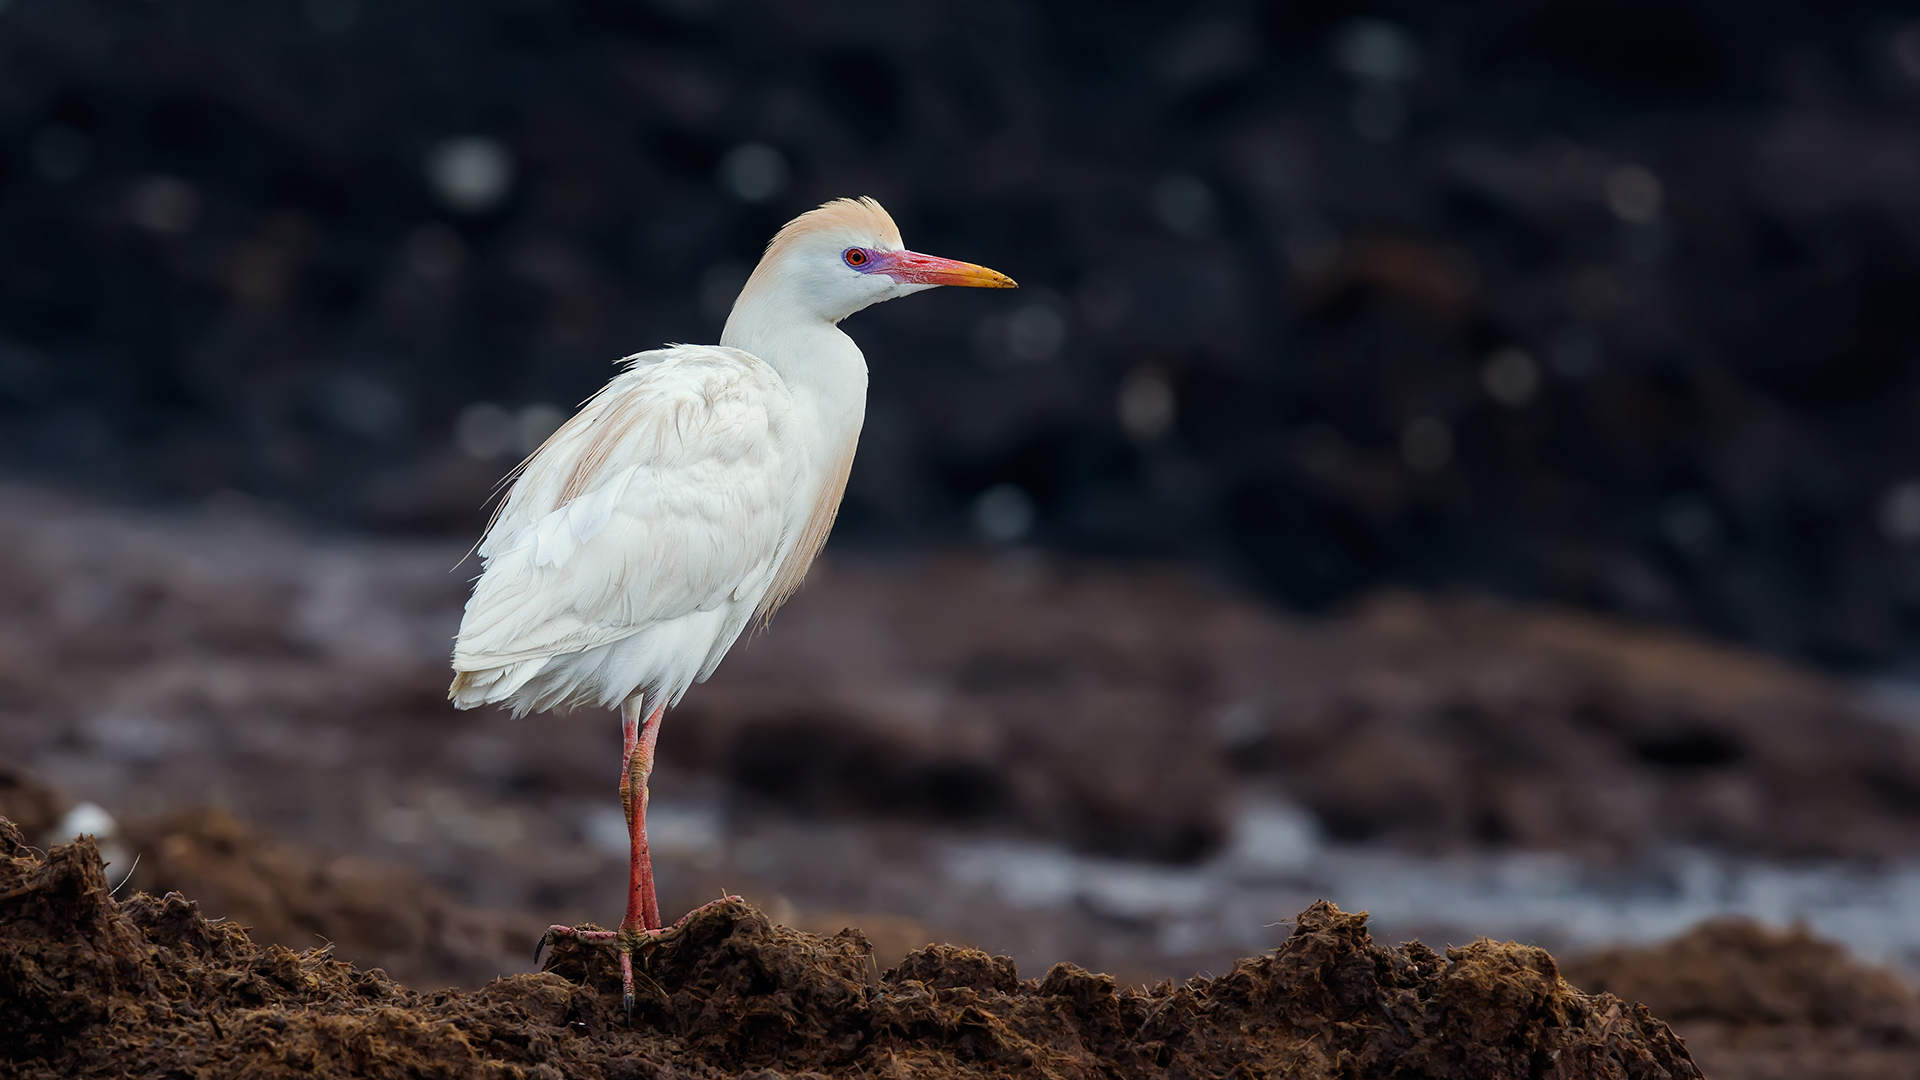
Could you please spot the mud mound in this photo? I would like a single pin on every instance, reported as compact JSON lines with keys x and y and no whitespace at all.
{"x":149,"y":987}
{"x":1759,"y":1004}
{"x":287,"y":894}
{"x":371,"y":913}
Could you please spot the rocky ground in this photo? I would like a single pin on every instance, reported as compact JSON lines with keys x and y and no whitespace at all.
{"x":146,"y":986}
{"x":90,"y":986}
{"x":909,"y":730}
{"x":1118,"y":766}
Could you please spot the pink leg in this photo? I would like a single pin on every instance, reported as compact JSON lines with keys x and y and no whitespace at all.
{"x":642,"y":921}
{"x":643,"y":907}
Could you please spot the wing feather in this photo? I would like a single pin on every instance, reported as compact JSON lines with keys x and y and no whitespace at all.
{"x":666,"y":494}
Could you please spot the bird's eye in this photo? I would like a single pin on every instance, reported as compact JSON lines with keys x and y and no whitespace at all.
{"x":855,"y":257}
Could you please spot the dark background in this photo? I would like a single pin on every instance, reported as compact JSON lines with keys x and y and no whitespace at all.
{"x":1609,"y":303}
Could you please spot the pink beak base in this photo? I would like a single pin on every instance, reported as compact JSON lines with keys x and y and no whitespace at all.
{"x":911,"y":267}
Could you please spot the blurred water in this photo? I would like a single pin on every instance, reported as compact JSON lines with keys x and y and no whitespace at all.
{"x":1274,"y":868}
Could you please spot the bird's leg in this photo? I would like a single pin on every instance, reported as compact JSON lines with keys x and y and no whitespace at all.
{"x":643,"y":907}
{"x":642,"y":921}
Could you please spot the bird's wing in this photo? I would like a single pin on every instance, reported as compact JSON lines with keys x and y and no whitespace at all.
{"x":665,"y":494}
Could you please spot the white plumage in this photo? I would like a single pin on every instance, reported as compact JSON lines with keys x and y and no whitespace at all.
{"x":684,"y":499}
{"x":692,"y":492}
{"x":642,"y":538}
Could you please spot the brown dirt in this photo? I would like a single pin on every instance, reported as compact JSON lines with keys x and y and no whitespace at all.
{"x":1120,"y":708}
{"x":369,"y":912}
{"x":1762,"y":1004}
{"x":148,"y":987}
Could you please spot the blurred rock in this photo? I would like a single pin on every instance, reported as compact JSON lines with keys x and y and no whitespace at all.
{"x":1755,"y":1003}
{"x":372,"y":914}
{"x":27,"y":802}
{"x":1697,"y":217}
{"x":1079,"y":699}
{"x":1120,"y":709}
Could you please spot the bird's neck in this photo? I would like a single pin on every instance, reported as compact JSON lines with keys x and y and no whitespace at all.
{"x":819,"y":363}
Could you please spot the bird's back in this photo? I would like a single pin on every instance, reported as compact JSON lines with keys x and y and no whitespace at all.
{"x":641,"y":539}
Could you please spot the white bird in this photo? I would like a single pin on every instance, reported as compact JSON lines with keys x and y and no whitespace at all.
{"x":684,"y":500}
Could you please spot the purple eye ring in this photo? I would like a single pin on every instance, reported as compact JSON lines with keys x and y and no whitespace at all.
{"x":857,"y":258}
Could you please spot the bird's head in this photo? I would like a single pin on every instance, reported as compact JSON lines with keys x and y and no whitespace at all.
{"x":847,"y":255}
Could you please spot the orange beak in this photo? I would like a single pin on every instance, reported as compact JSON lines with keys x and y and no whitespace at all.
{"x":911,"y":267}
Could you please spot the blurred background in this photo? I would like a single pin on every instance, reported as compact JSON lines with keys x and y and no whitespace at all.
{"x":1458,"y":459}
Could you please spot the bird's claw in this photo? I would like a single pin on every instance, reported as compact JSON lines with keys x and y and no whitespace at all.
{"x":626,"y":975}
{"x":625,"y":941}
{"x":556,"y":932}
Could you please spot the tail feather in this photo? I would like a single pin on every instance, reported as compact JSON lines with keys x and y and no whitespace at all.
{"x":486,"y":686}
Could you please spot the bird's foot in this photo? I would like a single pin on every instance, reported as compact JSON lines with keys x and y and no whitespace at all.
{"x":627,"y":940}
{"x":624,"y":940}
{"x":556,"y":932}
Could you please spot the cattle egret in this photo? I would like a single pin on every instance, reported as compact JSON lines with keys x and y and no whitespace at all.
{"x":684,"y":500}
